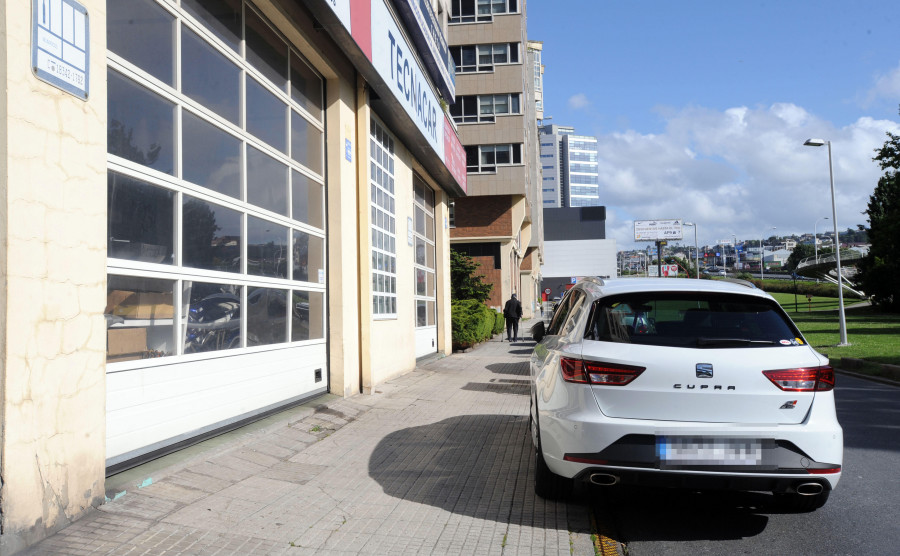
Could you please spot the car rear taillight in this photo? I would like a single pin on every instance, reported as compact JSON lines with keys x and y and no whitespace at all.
{"x":593,"y":372}
{"x":808,"y":379}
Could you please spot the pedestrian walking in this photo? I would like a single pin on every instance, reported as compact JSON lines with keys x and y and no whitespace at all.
{"x":513,"y":312}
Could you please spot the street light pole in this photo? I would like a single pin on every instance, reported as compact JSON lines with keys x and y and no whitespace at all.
{"x":837,"y":241}
{"x":762,"y":254}
{"x":696,"y":247}
{"x":816,"y":238}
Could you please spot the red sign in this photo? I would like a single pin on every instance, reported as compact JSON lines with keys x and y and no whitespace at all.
{"x":454,"y":154}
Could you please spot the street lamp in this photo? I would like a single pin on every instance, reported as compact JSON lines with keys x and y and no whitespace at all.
{"x":816,"y":238}
{"x":837,"y":241}
{"x":696,"y":247}
{"x":762,"y":254}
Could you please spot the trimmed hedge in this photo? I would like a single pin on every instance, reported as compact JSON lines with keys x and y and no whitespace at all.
{"x":499,"y":322}
{"x":472,"y":322}
{"x":821,"y":289}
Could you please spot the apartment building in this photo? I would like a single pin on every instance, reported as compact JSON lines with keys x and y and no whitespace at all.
{"x":212,"y":210}
{"x":498,"y":223}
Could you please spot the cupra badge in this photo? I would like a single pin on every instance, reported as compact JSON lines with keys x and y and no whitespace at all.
{"x":704,"y":370}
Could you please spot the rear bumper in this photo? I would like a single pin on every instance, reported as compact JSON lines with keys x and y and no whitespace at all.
{"x":703,"y":480}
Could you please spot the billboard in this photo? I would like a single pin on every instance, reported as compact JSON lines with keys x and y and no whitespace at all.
{"x":656,"y":230}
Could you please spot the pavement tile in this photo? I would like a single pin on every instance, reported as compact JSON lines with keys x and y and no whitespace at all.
{"x":437,"y":461}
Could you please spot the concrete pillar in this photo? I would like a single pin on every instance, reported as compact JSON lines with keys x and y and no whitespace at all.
{"x":53,"y":272}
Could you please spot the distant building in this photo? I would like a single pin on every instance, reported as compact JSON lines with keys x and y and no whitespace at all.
{"x":569,"y":166}
{"x":575,"y":245}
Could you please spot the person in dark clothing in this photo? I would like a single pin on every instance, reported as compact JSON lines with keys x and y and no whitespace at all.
{"x":513,"y":312}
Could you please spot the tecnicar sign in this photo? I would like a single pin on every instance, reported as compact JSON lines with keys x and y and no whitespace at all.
{"x":375,"y":31}
{"x":426,"y":32}
{"x":656,"y":230}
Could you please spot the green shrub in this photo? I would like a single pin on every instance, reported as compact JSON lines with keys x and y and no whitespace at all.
{"x":472,"y":322}
{"x":499,"y":322}
{"x":821,"y":289}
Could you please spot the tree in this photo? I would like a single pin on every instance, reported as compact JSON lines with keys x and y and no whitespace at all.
{"x":800,"y":252}
{"x":464,"y":284}
{"x":879,"y":271}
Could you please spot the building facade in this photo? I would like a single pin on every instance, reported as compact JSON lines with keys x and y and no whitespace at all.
{"x":213,"y":210}
{"x":495,"y":110}
{"x":569,"y":163}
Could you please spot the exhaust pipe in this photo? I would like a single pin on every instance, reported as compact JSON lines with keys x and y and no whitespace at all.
{"x":603,"y":479}
{"x":809,"y":489}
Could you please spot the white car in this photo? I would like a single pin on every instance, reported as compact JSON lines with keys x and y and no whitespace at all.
{"x":682,"y":383}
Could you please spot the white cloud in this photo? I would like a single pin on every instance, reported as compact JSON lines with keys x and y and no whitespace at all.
{"x":579,"y":101}
{"x":738,"y":172}
{"x":886,"y":87}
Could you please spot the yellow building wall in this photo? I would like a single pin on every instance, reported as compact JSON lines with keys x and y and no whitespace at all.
{"x":53,"y":271}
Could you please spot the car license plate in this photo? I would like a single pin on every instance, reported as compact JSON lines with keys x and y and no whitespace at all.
{"x":682,"y":451}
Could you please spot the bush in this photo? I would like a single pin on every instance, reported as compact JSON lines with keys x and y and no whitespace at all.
{"x":472,"y":322}
{"x":821,"y":289}
{"x":499,"y":322}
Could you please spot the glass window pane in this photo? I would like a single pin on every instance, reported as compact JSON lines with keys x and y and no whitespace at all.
{"x":500,"y":54}
{"x":468,"y":55}
{"x":139,"y":318}
{"x":501,"y":104}
{"x":306,"y":143}
{"x":266,"y":51}
{"x":503,"y":154}
{"x":209,"y":78}
{"x":514,"y":106}
{"x":266,"y":115}
{"x":487,"y":156}
{"x":308,"y":316}
{"x":309,"y":258}
{"x":267,"y":248}
{"x":420,"y":282}
{"x":266,"y":316}
{"x":420,"y":222}
{"x":429,"y":226}
{"x":306,"y":87}
{"x":212,"y":158}
{"x":484,"y":7}
{"x":420,"y":251}
{"x":514,"y":53}
{"x":140,"y":224}
{"x":131,"y":26}
{"x":222,"y":17}
{"x":211,"y":236}
{"x":211,"y":318}
{"x":431,"y":315}
{"x":486,"y":104}
{"x":307,"y":200}
{"x":484,"y":54}
{"x":429,"y":289}
{"x":421,"y":313}
{"x":140,"y":124}
{"x":267,"y":181}
{"x":429,"y":260}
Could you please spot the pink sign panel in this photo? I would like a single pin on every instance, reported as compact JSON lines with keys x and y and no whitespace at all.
{"x":454,"y":154}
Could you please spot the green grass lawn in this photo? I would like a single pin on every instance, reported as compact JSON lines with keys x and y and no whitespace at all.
{"x":873,"y":336}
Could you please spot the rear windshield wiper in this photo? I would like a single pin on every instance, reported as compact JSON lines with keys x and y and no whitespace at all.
{"x":701,"y":342}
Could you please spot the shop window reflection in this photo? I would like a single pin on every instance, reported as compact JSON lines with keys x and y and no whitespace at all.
{"x":211,"y":318}
{"x":139,"y":318}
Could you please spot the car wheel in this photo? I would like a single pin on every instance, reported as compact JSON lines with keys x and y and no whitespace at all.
{"x":547,"y":484}
{"x":794,"y":502}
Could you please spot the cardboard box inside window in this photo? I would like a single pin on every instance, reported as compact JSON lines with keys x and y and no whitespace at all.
{"x":126,"y":341}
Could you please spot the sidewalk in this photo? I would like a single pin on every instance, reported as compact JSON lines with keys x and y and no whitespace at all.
{"x":438,"y":461}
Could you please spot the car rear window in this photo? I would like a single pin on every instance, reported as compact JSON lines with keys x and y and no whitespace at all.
{"x":691,"y":319}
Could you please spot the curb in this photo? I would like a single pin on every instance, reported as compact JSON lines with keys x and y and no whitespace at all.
{"x":871,"y":378}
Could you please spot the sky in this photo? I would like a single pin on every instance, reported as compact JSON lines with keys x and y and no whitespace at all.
{"x":701,"y":108}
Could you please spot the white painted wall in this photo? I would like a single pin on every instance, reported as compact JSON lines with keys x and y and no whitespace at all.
{"x":589,"y":257}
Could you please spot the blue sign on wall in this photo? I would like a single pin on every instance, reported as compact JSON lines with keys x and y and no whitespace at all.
{"x":60,"y":39}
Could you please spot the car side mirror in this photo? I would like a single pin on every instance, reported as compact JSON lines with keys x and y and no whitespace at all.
{"x":538,"y":331}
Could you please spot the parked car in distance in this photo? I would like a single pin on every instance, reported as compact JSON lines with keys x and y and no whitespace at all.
{"x":682,"y":383}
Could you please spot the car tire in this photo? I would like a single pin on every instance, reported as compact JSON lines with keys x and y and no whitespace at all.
{"x":547,"y":484}
{"x":799,"y":503}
